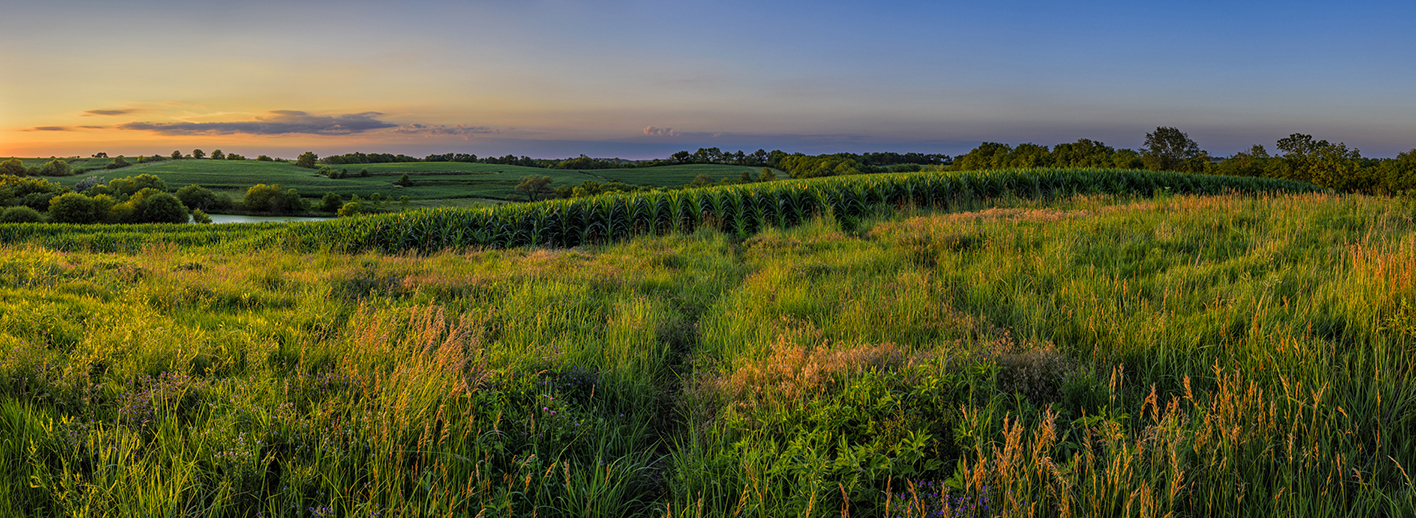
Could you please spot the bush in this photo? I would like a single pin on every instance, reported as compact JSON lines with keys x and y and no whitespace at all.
{"x":331,"y":202}
{"x":20,"y":214}
{"x":200,"y":217}
{"x":352,"y":208}
{"x":132,"y":184}
{"x":13,"y":167}
{"x":161,"y":208}
{"x":72,"y":208}
{"x":270,"y":198}
{"x":56,"y":168}
{"x":196,"y":197}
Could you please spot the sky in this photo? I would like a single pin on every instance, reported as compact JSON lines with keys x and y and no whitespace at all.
{"x":642,"y":79}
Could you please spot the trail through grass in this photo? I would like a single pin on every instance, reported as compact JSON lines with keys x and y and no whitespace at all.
{"x":1083,"y":356}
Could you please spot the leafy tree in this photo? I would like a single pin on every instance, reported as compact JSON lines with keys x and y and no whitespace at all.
{"x":353,"y":208}
{"x":767,"y":175}
{"x":364,"y":172}
{"x":405,"y":181}
{"x":331,"y":202}
{"x":218,"y":155}
{"x":263,"y":158}
{"x":118,"y":163}
{"x":13,"y":167}
{"x":1399,"y":175}
{"x":72,"y":208}
{"x":200,"y":217}
{"x":198,"y":154}
{"x":20,"y":214}
{"x":99,"y":155}
{"x":196,"y":197}
{"x":161,"y":207}
{"x":125,"y":187}
{"x":701,"y":180}
{"x":176,"y":155}
{"x":535,"y":186}
{"x":988,"y":155}
{"x":234,"y":156}
{"x":307,"y":160}
{"x":1167,"y":148}
{"x":56,"y":168}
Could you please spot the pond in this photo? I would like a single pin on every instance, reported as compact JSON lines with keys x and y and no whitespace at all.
{"x":230,"y":218}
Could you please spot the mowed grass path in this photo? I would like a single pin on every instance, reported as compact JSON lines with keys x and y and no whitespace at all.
{"x":1089,"y":356}
{"x":434,"y":183}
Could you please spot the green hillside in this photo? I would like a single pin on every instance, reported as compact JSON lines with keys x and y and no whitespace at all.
{"x":434,"y":183}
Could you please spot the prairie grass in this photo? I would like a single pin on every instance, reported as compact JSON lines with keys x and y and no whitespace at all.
{"x":1084,"y":355}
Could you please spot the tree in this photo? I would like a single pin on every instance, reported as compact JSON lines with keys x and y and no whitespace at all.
{"x":196,"y":197}
{"x":72,"y":208}
{"x":1167,"y":148}
{"x":767,"y":175}
{"x":405,"y":181}
{"x":133,"y":184}
{"x":13,"y":166}
{"x":535,"y":186}
{"x":198,"y":154}
{"x":307,"y":160}
{"x":162,"y":208}
{"x":331,"y":202}
{"x":200,"y":217}
{"x":218,"y":155}
{"x":263,"y":158}
{"x":260,"y":196}
{"x":56,"y":168}
{"x":176,"y":155}
{"x":118,"y":163}
{"x":352,"y":208}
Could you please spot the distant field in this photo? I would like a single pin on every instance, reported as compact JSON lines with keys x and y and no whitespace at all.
{"x":435,"y":183}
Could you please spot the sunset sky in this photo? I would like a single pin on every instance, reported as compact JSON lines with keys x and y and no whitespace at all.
{"x":642,"y":79}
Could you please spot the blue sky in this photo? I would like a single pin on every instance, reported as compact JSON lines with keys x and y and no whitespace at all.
{"x":643,"y":79}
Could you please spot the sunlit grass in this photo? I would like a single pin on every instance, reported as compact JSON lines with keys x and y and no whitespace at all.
{"x":1081,"y":356}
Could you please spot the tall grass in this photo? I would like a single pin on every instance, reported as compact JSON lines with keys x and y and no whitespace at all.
{"x":1076,"y":355}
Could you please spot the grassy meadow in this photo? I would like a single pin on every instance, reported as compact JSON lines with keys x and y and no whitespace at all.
{"x":434,"y":183}
{"x":1072,"y":355}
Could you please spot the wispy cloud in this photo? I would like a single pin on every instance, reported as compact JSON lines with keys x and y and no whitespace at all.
{"x":660,"y":132}
{"x":52,"y":128}
{"x":111,"y":112}
{"x":280,"y":122}
{"x":439,"y":129}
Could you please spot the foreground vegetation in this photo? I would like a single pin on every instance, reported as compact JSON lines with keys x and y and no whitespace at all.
{"x":1071,"y":354}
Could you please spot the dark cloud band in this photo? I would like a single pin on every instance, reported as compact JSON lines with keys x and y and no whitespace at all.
{"x":109,"y":112}
{"x":438,"y":129}
{"x":280,"y":122}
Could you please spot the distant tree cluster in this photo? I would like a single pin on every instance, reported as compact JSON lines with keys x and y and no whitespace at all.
{"x":17,"y":167}
{"x":1302,"y":158}
{"x":362,"y":158}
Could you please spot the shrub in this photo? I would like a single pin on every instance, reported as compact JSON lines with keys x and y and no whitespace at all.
{"x":20,"y":214}
{"x":352,"y":208}
{"x":72,"y":208}
{"x":13,"y":167}
{"x":331,"y":202}
{"x":56,"y":168}
{"x":196,"y":197}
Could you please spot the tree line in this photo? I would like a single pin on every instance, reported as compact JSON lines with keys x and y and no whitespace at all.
{"x":1300,"y":157}
{"x":860,"y":163}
